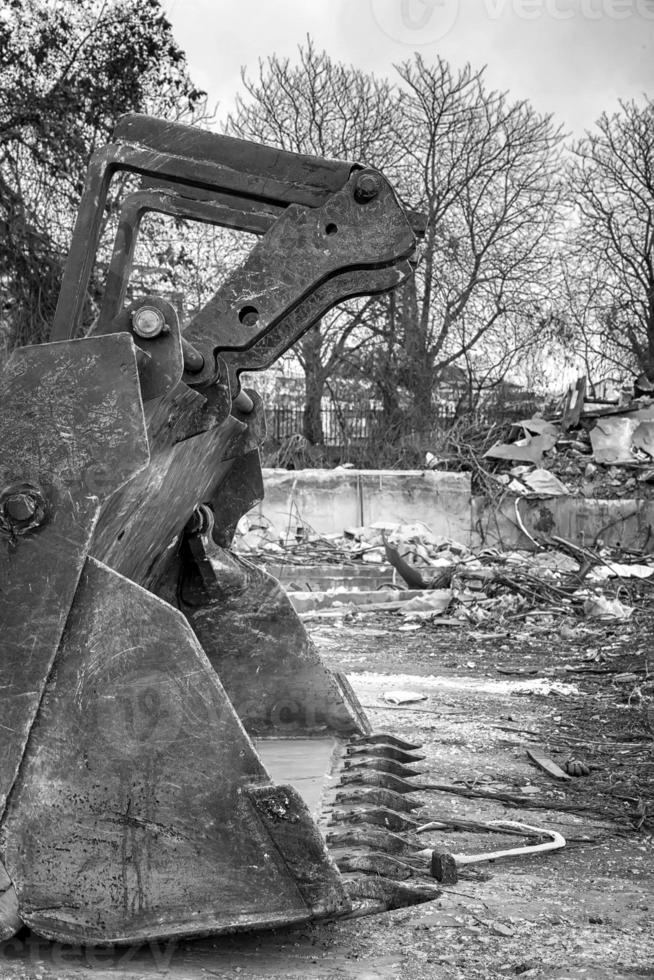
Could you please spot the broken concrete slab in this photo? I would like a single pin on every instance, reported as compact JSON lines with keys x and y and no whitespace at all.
{"x":322,"y":578}
{"x":308,"y":601}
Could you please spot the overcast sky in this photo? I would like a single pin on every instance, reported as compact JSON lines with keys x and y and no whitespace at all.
{"x":570,"y":57}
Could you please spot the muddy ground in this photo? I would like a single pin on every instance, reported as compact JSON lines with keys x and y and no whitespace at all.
{"x":583,"y":912}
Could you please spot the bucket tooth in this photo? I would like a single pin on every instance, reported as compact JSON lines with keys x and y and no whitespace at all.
{"x":371,"y":863}
{"x":380,"y":815}
{"x":373,"y":838}
{"x":382,"y":779}
{"x":385,"y":738}
{"x":366,"y":796}
{"x":388,"y":893}
{"x":383,"y":752}
{"x":362,"y":763}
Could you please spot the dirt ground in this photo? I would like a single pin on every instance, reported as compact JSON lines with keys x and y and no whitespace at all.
{"x":583,"y":912}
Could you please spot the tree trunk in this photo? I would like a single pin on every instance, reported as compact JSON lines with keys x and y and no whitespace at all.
{"x":386,"y":374}
{"x":649,"y":325}
{"x":420,"y":374}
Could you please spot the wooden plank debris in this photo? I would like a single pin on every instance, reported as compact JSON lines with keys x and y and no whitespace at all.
{"x":546,"y":764}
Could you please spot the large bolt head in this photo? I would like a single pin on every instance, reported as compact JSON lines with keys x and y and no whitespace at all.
{"x":148,"y":322}
{"x":367,"y":188}
{"x":20,"y":507}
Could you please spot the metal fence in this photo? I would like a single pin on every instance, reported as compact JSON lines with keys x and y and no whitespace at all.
{"x":350,"y":426}
{"x":339,"y":427}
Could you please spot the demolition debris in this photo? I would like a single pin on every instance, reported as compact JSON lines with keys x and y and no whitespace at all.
{"x":587,"y":450}
{"x":426,"y":578}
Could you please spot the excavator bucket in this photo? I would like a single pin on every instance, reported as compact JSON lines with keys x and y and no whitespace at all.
{"x":175,"y":759}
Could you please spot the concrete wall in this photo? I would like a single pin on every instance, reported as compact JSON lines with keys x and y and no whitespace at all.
{"x":330,"y":500}
{"x":626,"y":523}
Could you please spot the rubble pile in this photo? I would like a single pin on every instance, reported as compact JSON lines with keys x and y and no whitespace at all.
{"x":449,"y":582}
{"x":486,"y":583}
{"x":590,"y":449}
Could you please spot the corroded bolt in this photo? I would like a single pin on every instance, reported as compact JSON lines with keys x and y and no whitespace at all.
{"x":148,"y":322}
{"x":20,"y":507}
{"x":367,"y":188}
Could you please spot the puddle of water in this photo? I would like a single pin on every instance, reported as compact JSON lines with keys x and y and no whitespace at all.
{"x":304,"y":763}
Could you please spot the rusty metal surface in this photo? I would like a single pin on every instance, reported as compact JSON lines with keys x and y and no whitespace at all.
{"x":188,"y":157}
{"x":162,"y":366}
{"x":141,"y":523}
{"x":297,"y":837}
{"x":260,"y":649}
{"x":130,"y":818}
{"x":270,"y":173}
{"x":240,"y":491}
{"x":166,"y":201}
{"x":71,"y":425}
{"x":353,"y":221}
{"x":291,"y":327}
{"x":304,"y":248}
{"x":137,"y":806}
{"x":288,"y":328}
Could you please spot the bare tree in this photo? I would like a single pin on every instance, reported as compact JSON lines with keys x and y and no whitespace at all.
{"x":583,"y":301}
{"x":483,"y":170}
{"x":612,"y":270}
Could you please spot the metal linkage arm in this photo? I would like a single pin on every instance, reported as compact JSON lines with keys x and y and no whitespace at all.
{"x":189,"y":159}
{"x":331,"y":230}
